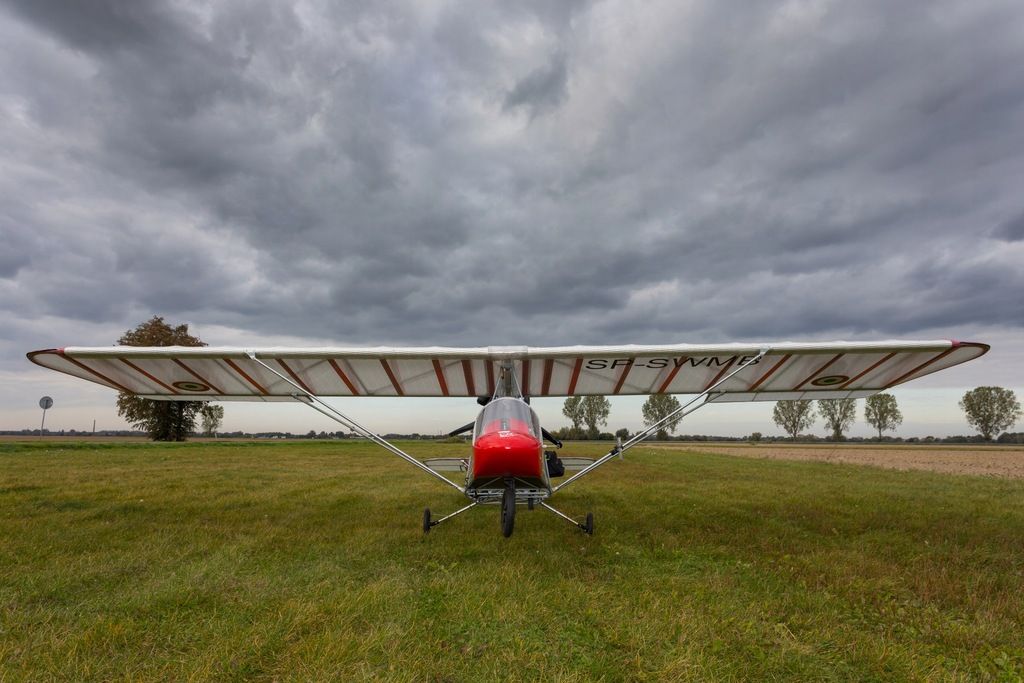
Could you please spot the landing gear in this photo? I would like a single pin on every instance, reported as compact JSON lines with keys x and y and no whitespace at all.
{"x":508,"y":509}
{"x":508,"y":498}
{"x":508,"y":513}
{"x":588,"y":526}
{"x":429,"y":522}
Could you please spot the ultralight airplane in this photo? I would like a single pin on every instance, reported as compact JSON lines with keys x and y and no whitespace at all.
{"x":508,"y":465}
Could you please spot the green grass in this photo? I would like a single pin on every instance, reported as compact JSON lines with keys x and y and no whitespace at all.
{"x":307,"y":562}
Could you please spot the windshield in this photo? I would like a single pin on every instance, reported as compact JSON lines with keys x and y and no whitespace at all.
{"x":508,"y":414}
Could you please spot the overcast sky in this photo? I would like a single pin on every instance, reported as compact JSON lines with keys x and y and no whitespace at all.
{"x":317,"y":172}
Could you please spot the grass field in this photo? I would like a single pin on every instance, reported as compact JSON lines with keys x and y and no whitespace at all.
{"x":307,"y":562}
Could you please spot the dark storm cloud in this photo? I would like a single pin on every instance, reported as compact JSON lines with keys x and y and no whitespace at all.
{"x":100,"y":25}
{"x":18,"y":246}
{"x":1012,"y":230}
{"x":541,"y":90}
{"x":536,"y":173}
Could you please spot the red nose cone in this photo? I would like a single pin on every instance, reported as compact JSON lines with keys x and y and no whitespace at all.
{"x":507,"y":454}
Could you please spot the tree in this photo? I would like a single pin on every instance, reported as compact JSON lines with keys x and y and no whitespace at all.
{"x":990,"y":410}
{"x":656,"y":408}
{"x":881,"y":413}
{"x":794,"y":416}
{"x":839,"y":414}
{"x":595,"y":413}
{"x":161,"y":420}
{"x":573,"y":409}
{"x":213,"y":417}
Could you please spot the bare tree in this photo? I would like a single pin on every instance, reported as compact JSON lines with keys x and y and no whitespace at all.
{"x":794,"y":416}
{"x":595,"y":413}
{"x":839,"y":414}
{"x":991,"y":410}
{"x":213,"y":417}
{"x":657,"y":408}
{"x":882,"y":413}
{"x":573,"y":409}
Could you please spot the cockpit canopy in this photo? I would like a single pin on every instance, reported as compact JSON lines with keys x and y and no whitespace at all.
{"x":507,"y":415}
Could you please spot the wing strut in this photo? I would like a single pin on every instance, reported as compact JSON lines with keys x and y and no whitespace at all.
{"x":319,"y":405}
{"x":708,"y":396}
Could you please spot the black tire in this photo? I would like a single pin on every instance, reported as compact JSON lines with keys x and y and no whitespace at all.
{"x":589,"y":528}
{"x":426,"y":521}
{"x":508,"y":511}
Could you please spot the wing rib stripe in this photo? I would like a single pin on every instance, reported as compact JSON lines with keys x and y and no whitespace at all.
{"x":440,"y":376}
{"x":623,"y":375}
{"x":575,"y":376}
{"x":765,"y":376}
{"x":295,"y":377}
{"x":720,"y":373}
{"x":672,"y":374}
{"x":343,"y":376}
{"x":819,"y":371}
{"x":875,"y":365}
{"x":920,"y":367}
{"x":525,"y":388}
{"x":99,"y":374}
{"x":549,"y":365}
{"x":391,"y":376}
{"x":145,"y":374}
{"x":247,"y":377}
{"x":198,"y":376}
{"x":467,"y":370}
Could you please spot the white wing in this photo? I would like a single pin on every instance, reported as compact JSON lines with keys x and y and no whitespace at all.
{"x":789,"y":370}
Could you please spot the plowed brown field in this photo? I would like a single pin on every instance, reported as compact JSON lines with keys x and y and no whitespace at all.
{"x":992,"y":461}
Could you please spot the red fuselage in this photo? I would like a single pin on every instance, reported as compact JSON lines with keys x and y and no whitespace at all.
{"x":507,"y":443}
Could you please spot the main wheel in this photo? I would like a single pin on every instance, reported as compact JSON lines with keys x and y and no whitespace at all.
{"x":508,"y":511}
{"x":426,"y":521}
{"x":589,"y":528}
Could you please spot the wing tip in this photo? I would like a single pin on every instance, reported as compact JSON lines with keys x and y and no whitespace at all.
{"x":984,"y":348}
{"x":31,"y":355}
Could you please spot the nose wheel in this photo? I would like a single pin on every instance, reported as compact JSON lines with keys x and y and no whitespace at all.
{"x":508,"y":509}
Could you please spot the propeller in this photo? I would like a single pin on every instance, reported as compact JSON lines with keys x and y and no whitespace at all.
{"x":462,"y":430}
{"x":548,"y":437}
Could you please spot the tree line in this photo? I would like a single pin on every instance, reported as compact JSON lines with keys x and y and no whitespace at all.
{"x":990,"y":410}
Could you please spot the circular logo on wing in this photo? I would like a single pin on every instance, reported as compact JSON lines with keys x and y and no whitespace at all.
{"x":191,"y":386}
{"x":830,"y":381}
